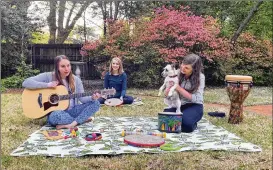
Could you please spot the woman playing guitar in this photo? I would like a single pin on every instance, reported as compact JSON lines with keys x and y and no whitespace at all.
{"x":80,"y":109}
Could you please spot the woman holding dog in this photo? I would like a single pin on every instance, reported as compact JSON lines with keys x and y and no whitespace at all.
{"x":191,"y":89}
{"x":116,"y":78}
{"x":80,"y":109}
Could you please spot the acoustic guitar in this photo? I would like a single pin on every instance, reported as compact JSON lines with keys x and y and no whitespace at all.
{"x":37,"y":103}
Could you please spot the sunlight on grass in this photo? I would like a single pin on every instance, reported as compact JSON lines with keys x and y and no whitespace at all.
{"x":255,"y":128}
{"x":257,"y":96}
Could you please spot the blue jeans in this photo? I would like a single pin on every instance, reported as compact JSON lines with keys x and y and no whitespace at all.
{"x":126,"y":100}
{"x":192,"y":113}
{"x":79,"y":113}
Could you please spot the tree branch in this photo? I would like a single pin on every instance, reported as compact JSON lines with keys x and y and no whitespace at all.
{"x":51,"y":19}
{"x":61,"y":17}
{"x":116,"y":10}
{"x":245,"y":22}
{"x":69,"y":15}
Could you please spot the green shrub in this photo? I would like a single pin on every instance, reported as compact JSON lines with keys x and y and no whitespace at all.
{"x":23,"y":71}
{"x":12,"y":82}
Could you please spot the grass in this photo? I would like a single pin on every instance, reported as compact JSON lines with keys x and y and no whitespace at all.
{"x":257,"y":95}
{"x":255,"y":128}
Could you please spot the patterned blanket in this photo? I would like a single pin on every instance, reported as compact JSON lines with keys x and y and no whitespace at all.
{"x":206,"y":137}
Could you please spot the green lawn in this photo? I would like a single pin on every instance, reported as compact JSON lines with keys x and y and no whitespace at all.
{"x":256,"y":129}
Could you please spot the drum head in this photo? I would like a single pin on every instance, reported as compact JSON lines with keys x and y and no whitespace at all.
{"x":113,"y":102}
{"x":238,"y":78}
{"x":146,"y":141}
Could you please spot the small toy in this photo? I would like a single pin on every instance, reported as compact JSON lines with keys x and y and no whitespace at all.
{"x":170,"y":147}
{"x":53,"y":134}
{"x":73,"y":132}
{"x":93,"y":136}
{"x":125,"y":133}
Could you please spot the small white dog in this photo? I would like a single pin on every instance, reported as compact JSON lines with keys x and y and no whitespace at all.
{"x":171,"y":82}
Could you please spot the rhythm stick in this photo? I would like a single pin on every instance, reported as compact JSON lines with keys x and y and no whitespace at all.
{"x":125,"y":133}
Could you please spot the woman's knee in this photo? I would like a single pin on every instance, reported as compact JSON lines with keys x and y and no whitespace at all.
{"x":94,"y":106}
{"x":128,"y":100}
{"x":188,"y":126}
{"x":54,"y":118}
{"x":101,"y":100}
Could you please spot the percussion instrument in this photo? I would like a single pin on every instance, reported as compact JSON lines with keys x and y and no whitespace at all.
{"x":125,"y":133}
{"x":238,"y":88}
{"x":170,"y":122}
{"x":53,"y":134}
{"x":93,"y":136}
{"x":113,"y":102}
{"x":145,"y":141}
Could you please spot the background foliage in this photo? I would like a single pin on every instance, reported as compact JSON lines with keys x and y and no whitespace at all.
{"x":148,"y":42}
{"x":149,"y":34}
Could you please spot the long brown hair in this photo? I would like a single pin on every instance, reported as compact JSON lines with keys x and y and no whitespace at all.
{"x":197,"y":68}
{"x":120,"y":70}
{"x":57,"y":75}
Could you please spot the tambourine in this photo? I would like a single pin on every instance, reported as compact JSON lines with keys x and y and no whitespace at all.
{"x":113,"y":102}
{"x":144,"y":141}
{"x":93,"y":136}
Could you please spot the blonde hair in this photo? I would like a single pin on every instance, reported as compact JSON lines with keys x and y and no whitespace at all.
{"x":120,"y":69}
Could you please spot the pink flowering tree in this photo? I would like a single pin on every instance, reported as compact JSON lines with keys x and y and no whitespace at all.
{"x":175,"y":33}
{"x":168,"y":35}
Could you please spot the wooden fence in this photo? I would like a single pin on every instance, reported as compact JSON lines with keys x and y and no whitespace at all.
{"x":42,"y":58}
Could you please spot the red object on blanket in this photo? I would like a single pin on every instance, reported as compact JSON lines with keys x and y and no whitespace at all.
{"x":145,"y":141}
{"x":93,"y":137}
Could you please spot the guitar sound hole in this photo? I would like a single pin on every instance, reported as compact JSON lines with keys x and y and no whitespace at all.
{"x":54,"y":98}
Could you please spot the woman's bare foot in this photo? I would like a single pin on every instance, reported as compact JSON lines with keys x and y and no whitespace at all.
{"x":64,"y":126}
{"x":68,"y":126}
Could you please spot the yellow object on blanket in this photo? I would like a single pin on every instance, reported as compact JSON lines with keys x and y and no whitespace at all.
{"x":53,"y":134}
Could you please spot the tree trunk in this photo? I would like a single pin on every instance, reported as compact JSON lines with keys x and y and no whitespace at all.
{"x":61,"y":19}
{"x":246,"y":21}
{"x":51,"y":20}
{"x":116,"y":10}
{"x":102,"y":6}
{"x":111,"y":10}
{"x":63,"y":32}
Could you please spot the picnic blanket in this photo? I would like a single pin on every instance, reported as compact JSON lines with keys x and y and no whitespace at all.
{"x":206,"y":137}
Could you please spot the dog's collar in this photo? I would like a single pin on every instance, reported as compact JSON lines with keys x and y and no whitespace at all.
{"x":173,"y":76}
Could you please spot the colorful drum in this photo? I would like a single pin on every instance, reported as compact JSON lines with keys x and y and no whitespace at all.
{"x":238,"y":88}
{"x":169,"y":122}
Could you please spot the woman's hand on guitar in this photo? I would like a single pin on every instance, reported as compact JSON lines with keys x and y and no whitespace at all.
{"x":96,"y":95}
{"x":52,"y":84}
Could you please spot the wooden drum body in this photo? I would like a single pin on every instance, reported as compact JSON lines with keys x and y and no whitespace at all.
{"x":169,"y":122}
{"x":238,"y":88}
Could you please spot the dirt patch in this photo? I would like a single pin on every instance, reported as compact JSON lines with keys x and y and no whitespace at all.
{"x":260,"y":109}
{"x":16,"y":91}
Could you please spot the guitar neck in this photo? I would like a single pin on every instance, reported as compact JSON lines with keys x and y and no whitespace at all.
{"x":73,"y":96}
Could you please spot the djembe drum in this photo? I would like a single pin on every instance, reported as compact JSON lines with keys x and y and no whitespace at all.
{"x":238,"y":88}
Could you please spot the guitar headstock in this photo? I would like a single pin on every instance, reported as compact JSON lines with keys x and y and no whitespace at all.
{"x":107,"y":92}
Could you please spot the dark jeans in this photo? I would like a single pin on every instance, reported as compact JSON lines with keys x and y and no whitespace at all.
{"x":192,"y":113}
{"x":126,"y":100}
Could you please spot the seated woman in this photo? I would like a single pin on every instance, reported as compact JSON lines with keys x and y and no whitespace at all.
{"x":191,"y":89}
{"x":80,"y":109}
{"x":117,"y":79}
